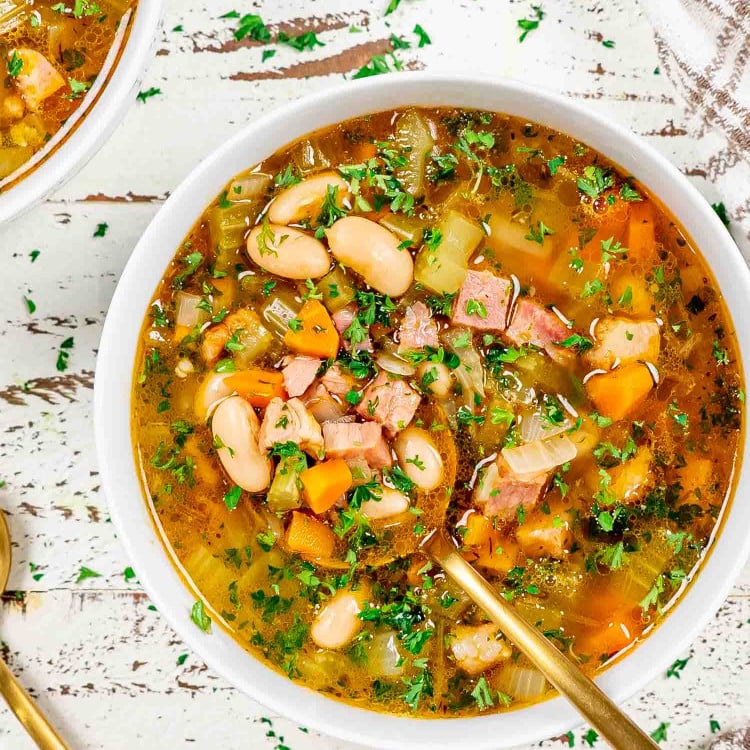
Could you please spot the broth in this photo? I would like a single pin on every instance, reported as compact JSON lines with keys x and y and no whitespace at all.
{"x":537,"y":358}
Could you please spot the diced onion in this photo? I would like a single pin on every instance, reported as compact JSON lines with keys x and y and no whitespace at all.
{"x":394,"y":364}
{"x":383,"y":657}
{"x":188,"y":312}
{"x":541,"y":455}
{"x":523,"y":683}
{"x":533,"y":427}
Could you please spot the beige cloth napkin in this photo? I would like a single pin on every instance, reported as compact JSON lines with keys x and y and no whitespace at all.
{"x":704,"y":46}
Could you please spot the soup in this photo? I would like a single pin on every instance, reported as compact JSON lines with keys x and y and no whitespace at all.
{"x":435,"y":318}
{"x":53,"y":53}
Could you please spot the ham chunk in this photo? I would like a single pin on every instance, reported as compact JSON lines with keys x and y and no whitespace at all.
{"x":546,"y":534}
{"x":623,"y":340}
{"x":290,"y":421}
{"x":417,"y":329}
{"x":342,"y":319}
{"x":357,"y":440}
{"x":482,"y":302}
{"x":338,"y":382}
{"x":299,"y":373}
{"x":500,"y":491}
{"x":535,"y":324}
{"x":389,"y":401}
{"x":478,"y":647}
{"x":37,"y":79}
{"x":216,"y":337}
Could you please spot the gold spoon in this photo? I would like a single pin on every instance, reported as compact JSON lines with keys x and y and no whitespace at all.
{"x":19,"y":701}
{"x":608,"y":720}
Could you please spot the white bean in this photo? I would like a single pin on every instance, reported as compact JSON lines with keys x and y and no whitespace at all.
{"x":287,"y":252}
{"x":235,"y":428}
{"x":209,"y":393}
{"x":304,"y":200}
{"x":337,"y":623}
{"x":372,"y":251}
{"x":391,"y":503}
{"x":419,"y":458}
{"x":440,"y":381}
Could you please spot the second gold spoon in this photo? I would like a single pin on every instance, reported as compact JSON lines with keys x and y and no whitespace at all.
{"x":608,"y":720}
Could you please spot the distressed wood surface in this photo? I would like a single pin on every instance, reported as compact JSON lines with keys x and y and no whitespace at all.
{"x":102,"y":664}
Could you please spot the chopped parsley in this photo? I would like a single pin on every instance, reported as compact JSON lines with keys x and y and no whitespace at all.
{"x":143,"y":96}
{"x":199,"y":616}
{"x":527,"y":25}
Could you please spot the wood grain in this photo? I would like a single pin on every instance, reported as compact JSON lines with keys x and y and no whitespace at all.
{"x":102,"y":663}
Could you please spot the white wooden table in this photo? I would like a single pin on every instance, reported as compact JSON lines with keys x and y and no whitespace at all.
{"x":103,"y":664}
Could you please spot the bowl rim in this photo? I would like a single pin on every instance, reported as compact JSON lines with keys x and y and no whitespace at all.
{"x":114,"y":372}
{"x":97,"y":124}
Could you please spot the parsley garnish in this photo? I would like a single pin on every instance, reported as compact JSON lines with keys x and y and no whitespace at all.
{"x":144,"y":95}
{"x":595,"y":181}
{"x":199,"y":616}
{"x":527,"y":25}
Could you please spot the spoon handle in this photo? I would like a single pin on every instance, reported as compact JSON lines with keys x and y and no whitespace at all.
{"x":28,"y":713}
{"x":610,"y":722}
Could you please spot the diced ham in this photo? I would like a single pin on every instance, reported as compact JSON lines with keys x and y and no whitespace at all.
{"x":299,"y":373}
{"x":545,"y":535}
{"x":338,"y":381}
{"x":357,"y":440}
{"x":389,"y":401}
{"x":216,"y":337}
{"x":417,"y":329}
{"x":478,"y":647}
{"x":342,"y":319}
{"x":535,"y":324}
{"x":290,"y":421}
{"x":482,"y":302}
{"x":37,"y":78}
{"x":501,"y":491}
{"x":623,"y":340}
{"x":321,"y":404}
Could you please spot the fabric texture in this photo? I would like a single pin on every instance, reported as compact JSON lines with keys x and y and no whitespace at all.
{"x":704,"y":49}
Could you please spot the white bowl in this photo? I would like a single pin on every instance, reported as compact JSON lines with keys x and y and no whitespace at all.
{"x":100,"y":112}
{"x":114,"y":381}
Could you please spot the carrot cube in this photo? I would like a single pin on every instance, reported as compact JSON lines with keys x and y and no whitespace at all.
{"x":313,"y":332}
{"x":324,"y":483}
{"x":308,"y":536}
{"x":619,"y":392}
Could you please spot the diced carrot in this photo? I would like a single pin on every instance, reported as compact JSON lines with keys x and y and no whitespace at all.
{"x":478,"y":528}
{"x":617,"y":393}
{"x":613,"y":228}
{"x":696,"y":479}
{"x":308,"y":536}
{"x":257,"y":386}
{"x":227,"y":287}
{"x":324,"y":483}
{"x":641,"y":239}
{"x":498,"y":554}
{"x":620,"y":624}
{"x":315,"y":333}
